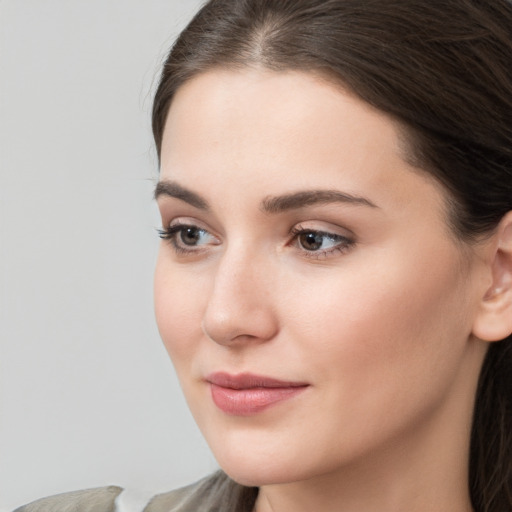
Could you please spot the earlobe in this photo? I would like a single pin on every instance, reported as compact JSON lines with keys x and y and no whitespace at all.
{"x":494,"y":319}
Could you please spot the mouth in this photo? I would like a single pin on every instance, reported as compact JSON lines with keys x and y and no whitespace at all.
{"x":247,"y":394}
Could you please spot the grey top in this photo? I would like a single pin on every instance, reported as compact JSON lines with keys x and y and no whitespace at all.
{"x":89,"y":500}
{"x":217,"y":493}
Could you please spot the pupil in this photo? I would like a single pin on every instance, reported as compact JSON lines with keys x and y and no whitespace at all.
{"x":311,"y":241}
{"x":190,"y":236}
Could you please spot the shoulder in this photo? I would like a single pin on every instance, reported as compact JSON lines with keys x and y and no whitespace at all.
{"x":216,"y":493}
{"x":89,"y":500}
{"x":212,"y":494}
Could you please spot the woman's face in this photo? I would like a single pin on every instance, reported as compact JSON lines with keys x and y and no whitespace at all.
{"x":315,"y":305}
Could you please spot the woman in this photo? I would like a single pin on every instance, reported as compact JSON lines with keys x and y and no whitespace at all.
{"x":334,"y":284}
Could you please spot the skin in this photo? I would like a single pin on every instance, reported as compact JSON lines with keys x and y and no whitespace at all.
{"x":378,"y":321}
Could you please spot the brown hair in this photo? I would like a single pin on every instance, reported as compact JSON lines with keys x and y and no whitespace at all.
{"x":443,"y":70}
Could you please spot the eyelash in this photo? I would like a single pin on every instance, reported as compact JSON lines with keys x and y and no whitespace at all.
{"x":171,"y":232}
{"x":342,"y":243}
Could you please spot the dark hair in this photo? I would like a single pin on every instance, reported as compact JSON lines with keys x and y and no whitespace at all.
{"x":443,"y":70}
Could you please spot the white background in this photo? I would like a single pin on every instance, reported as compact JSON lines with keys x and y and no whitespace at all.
{"x":88,"y":396}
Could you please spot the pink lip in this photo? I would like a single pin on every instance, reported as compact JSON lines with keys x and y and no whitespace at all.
{"x":246,"y":394}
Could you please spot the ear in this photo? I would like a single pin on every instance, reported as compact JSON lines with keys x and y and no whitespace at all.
{"x":494,"y":319}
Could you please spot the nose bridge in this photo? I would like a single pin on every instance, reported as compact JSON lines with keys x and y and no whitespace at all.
{"x":240,"y":303}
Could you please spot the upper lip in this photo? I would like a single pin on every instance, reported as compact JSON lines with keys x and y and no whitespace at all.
{"x":249,"y":381}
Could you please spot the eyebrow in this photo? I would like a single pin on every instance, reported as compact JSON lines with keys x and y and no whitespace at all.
{"x":172,"y":189}
{"x":307,"y":198}
{"x":271,"y":204}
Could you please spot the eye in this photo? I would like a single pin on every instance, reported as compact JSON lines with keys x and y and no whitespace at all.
{"x":318,"y":243}
{"x":187,"y":237}
{"x":190,"y":235}
{"x":314,"y":241}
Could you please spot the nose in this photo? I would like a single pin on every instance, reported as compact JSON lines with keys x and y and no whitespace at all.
{"x":240,"y":307}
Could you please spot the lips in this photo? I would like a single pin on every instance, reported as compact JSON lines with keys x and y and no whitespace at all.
{"x":247,"y":394}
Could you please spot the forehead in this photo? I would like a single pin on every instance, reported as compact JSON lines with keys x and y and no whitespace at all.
{"x":264,"y":99}
{"x":270,"y":132}
{"x":237,"y":112}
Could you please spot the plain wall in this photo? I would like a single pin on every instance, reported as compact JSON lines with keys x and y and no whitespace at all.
{"x":88,"y":396}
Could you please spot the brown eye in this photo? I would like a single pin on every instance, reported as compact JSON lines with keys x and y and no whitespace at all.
{"x":190,"y":235}
{"x":311,"y":241}
{"x":320,"y":243}
{"x":188,"y":238}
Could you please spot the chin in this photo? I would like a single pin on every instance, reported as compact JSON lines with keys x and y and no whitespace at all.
{"x":257,"y":475}
{"x":259,"y":466}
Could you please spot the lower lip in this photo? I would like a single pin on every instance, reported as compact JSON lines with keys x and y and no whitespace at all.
{"x":245,"y":402}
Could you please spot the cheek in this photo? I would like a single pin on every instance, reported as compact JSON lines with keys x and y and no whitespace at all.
{"x":382,"y":352}
{"x":178,"y":302}
{"x":394,"y":330}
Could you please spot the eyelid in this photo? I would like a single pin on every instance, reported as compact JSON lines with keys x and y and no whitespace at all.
{"x":188,"y":221}
{"x":323,"y":227}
